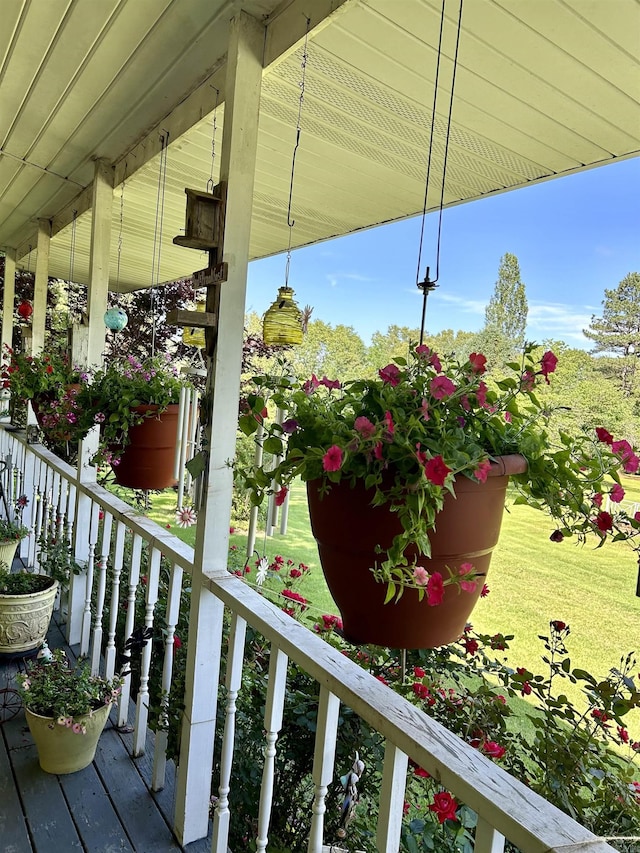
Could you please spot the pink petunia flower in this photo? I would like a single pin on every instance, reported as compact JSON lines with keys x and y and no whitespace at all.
{"x":617,"y":493}
{"x":390,"y":374}
{"x":364,"y":426}
{"x":436,"y":470}
{"x":441,"y":387}
{"x":332,"y":459}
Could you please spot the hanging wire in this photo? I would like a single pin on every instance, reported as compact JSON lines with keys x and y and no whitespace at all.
{"x":210,"y":183}
{"x":72,"y":252}
{"x":430,"y":284}
{"x":157,"y":233}
{"x":291,"y":222}
{"x":124,"y":178}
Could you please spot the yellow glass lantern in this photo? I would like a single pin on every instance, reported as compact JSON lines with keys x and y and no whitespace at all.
{"x":282,"y":322}
{"x":192,"y":336}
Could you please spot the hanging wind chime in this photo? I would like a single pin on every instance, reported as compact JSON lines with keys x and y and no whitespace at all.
{"x":428,"y":285}
{"x":116,"y":318}
{"x":25,"y":307}
{"x":282,"y":321}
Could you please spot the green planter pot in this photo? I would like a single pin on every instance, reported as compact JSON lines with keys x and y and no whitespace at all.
{"x":60,"y":749}
{"x":8,"y":550}
{"x":24,"y":618}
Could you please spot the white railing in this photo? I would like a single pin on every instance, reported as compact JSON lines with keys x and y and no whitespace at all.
{"x":101,"y":523}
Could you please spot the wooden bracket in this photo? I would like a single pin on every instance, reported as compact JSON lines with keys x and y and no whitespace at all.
{"x":204,"y":222}
{"x":191,"y":319}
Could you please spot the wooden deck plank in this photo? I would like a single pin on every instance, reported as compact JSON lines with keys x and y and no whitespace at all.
{"x":49,"y":822}
{"x":145,"y":825}
{"x":97,"y":823}
{"x":166,"y":797}
{"x":13,"y":827}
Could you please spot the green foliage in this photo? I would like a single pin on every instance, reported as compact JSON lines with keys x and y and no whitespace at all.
{"x":57,"y":561}
{"x":505,"y":317}
{"x":51,"y":688}
{"x":45,"y":375}
{"x":21,"y":583}
{"x":618,"y":332}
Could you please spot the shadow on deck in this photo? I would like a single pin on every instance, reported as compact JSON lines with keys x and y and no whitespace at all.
{"x":107,"y":807}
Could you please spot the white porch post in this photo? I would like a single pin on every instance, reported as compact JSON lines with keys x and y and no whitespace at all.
{"x":8,"y":299}
{"x":239,"y":144}
{"x":40,"y":288}
{"x":93,"y":347}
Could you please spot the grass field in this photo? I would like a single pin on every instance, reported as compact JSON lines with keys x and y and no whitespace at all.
{"x":532,"y":581}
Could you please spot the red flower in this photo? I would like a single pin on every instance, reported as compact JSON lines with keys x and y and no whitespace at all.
{"x":421,"y":772}
{"x":281,"y":496}
{"x":470,"y":646}
{"x":177,"y":642}
{"x":332,"y":459}
{"x":604,"y":435}
{"x":435,"y":589}
{"x":419,"y":672}
{"x":604,"y":521}
{"x":623,"y":734}
{"x":364,"y":426}
{"x":482,"y":471}
{"x":548,"y":364}
{"x":557,"y":536}
{"x":478,"y":362}
{"x":436,"y":470}
{"x":493,"y":749}
{"x":617,"y":493}
{"x":390,"y":374}
{"x":389,"y":422}
{"x":485,"y":591}
{"x":441,"y":387}
{"x":420,"y":690}
{"x":557,"y":625}
{"x":444,"y":806}
{"x":526,"y":688}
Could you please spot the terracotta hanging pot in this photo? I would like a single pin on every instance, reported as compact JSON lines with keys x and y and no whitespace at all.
{"x":347,"y":529}
{"x":148,"y":459}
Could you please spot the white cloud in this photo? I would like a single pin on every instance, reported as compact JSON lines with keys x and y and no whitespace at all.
{"x":468,"y":306}
{"x":335,"y":278}
{"x":558,"y":320}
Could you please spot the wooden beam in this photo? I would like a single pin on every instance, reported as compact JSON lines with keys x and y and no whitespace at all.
{"x":190,"y":319}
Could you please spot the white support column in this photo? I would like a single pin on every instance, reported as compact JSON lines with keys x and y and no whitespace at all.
{"x":87,"y":348}
{"x":40,"y":289}
{"x":8,"y":298}
{"x":102,"y":205}
{"x":239,"y":144}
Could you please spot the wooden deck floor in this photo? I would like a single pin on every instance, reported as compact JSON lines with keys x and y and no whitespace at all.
{"x":104,"y":808}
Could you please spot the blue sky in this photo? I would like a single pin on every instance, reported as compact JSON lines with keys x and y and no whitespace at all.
{"x":573,"y":237}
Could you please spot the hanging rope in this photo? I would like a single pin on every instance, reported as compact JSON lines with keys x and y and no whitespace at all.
{"x":157,"y":234}
{"x":210,"y":183}
{"x":291,"y":222}
{"x":429,"y":284}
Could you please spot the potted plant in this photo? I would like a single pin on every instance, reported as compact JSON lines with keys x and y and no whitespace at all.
{"x":43,"y":379}
{"x":12,"y":531}
{"x":66,"y":710}
{"x":135,"y":403}
{"x":427,"y":449}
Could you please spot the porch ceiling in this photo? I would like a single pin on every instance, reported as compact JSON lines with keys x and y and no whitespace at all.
{"x":543,"y":88}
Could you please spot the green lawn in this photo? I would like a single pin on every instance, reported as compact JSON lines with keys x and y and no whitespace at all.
{"x":532,"y":581}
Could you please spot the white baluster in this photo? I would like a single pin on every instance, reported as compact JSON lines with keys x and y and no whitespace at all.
{"x":94,"y":511}
{"x":181,"y":444}
{"x":142,"y":705}
{"x":172,"y":616}
{"x":272,"y":724}
{"x":488,"y":839}
{"x":118,"y":555}
{"x":394,"y":779}
{"x":193,"y":431}
{"x":323,"y":763}
{"x":129,"y":623}
{"x":105,"y":547}
{"x":233,"y":681}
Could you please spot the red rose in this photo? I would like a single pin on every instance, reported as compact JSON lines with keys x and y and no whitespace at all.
{"x":444,"y":806}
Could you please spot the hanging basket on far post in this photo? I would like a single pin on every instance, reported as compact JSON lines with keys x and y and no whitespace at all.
{"x":282,"y":322}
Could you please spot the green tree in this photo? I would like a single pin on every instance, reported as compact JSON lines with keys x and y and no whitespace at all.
{"x":617,"y":333}
{"x":505,"y":318}
{"x":337,"y":352}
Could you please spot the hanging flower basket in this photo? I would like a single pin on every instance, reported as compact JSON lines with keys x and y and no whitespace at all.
{"x":147,"y":461}
{"x":348,"y":529}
